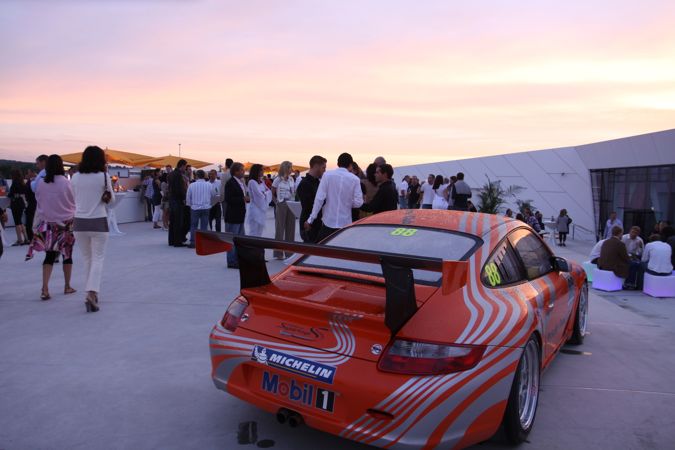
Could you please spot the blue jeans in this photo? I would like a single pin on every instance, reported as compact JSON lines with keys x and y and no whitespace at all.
{"x":234,"y":228}
{"x":402,"y":202}
{"x":198,"y":217}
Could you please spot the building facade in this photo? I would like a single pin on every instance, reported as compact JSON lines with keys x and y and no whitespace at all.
{"x":632,"y":176}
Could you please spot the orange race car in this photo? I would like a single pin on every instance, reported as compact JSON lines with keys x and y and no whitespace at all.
{"x":407,"y":329}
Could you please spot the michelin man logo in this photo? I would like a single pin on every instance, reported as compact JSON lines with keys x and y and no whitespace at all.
{"x":260,"y":354}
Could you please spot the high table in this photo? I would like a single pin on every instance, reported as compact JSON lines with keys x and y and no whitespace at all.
{"x":128,"y":207}
{"x":553,"y":227}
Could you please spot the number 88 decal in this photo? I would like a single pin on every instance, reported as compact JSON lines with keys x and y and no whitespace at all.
{"x":403,"y":232}
{"x":493,"y":274}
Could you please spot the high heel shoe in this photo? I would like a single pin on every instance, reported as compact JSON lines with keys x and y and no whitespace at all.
{"x":91,"y":303}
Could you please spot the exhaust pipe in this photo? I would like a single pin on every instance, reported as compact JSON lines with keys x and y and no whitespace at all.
{"x":292,"y":418}
{"x":283,"y":415}
{"x":295,"y":420}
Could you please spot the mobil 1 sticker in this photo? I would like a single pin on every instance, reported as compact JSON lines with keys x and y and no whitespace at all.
{"x":297,"y":391}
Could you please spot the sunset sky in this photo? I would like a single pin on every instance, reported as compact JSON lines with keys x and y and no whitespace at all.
{"x":269,"y":80}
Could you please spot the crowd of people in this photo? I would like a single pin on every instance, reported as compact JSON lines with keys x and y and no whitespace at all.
{"x":629,"y":258}
{"x":181,"y":201}
{"x":329,"y":200}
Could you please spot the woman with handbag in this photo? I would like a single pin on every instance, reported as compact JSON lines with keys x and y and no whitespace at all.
{"x":54,"y":234}
{"x":93,"y":191}
{"x":18,"y":204}
{"x":283,"y":190}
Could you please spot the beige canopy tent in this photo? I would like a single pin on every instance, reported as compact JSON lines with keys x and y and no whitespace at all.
{"x":275,"y":168}
{"x":248,"y":165}
{"x":112,"y":156}
{"x":170,"y":160}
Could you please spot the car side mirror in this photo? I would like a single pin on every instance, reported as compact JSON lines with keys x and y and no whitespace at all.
{"x":560,"y":264}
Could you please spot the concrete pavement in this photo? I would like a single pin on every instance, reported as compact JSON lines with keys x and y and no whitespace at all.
{"x":136,"y":374}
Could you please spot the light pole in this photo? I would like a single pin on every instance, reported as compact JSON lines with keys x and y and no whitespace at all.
{"x":179,"y":150}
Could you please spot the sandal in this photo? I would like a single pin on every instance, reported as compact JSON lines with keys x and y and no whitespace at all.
{"x":69,"y":290}
{"x":45,"y":295}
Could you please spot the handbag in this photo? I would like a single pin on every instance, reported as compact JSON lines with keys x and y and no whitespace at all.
{"x":107,"y":195}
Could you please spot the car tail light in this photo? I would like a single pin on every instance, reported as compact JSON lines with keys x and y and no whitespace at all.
{"x":233,"y":314}
{"x":426,"y":358}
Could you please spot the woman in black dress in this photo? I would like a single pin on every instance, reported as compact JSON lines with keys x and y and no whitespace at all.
{"x":18,"y":204}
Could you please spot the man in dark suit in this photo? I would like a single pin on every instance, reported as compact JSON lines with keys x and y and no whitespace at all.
{"x":614,"y":256}
{"x":307,"y":192}
{"x":177,"y":191}
{"x":235,"y":213}
{"x":386,"y":198}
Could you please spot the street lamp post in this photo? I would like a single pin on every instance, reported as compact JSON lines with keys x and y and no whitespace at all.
{"x":179,"y":150}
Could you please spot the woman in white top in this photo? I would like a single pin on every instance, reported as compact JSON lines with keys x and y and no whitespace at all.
{"x":93,"y":190}
{"x":261,"y":197}
{"x":283,"y":190}
{"x":440,"y":194}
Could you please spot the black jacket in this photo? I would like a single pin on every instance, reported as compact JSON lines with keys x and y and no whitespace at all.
{"x":177,"y":189}
{"x":307,"y":193}
{"x":236,"y":204}
{"x":386,"y":199}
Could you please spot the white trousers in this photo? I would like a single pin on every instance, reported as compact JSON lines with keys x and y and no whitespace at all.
{"x":156,"y":213}
{"x":254,"y":228}
{"x":92,"y":245}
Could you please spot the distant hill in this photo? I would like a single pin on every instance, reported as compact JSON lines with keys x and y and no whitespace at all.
{"x":6,"y":166}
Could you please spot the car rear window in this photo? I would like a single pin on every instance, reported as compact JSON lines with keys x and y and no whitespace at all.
{"x":408,"y":241}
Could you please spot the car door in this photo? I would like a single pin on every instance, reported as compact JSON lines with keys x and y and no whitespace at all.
{"x":552,"y":287}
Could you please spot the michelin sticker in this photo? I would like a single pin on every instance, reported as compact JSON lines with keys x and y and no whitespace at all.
{"x":284,"y":361}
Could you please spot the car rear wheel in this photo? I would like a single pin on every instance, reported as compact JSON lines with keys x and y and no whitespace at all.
{"x":524,"y":397}
{"x":581,"y":318}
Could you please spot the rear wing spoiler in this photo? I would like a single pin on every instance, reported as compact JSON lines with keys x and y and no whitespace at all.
{"x":396,"y":268}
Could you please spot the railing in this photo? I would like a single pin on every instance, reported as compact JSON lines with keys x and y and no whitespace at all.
{"x":584,"y":229}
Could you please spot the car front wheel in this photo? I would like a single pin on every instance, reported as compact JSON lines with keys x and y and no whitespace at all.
{"x":524,"y":397}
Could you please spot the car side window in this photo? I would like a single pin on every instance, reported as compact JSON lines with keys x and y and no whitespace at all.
{"x":503,"y":267}
{"x":533,"y":253}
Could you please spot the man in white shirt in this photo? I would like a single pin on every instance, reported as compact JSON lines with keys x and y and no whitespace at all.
{"x":427,"y":190}
{"x":40,"y":162}
{"x":403,"y":192}
{"x":340,"y":190}
{"x":612,"y":222}
{"x":595,"y":251}
{"x":215,"y":213}
{"x":634,"y":243}
{"x":656,"y":257}
{"x":198,"y":198}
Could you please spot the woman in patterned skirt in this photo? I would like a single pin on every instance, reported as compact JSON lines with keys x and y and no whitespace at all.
{"x":56,"y":205}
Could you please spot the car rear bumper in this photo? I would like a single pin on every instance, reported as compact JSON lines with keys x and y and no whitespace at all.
{"x":368,"y":405}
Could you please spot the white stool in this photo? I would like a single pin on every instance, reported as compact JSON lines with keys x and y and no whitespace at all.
{"x":605,"y":280}
{"x":589,"y":267}
{"x":659,"y":286}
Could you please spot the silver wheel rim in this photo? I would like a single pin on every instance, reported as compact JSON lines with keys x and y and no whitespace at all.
{"x":528,"y":385}
{"x":583,"y":310}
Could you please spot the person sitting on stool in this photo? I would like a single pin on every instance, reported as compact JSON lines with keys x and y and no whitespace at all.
{"x":655,"y":259}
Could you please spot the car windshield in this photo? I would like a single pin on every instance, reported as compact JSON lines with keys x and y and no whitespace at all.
{"x":408,"y":241}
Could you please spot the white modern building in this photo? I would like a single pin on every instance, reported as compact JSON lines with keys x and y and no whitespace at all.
{"x":633,"y":176}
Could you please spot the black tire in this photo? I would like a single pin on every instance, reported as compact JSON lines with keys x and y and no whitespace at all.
{"x":579,"y":330}
{"x":516,"y":432}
